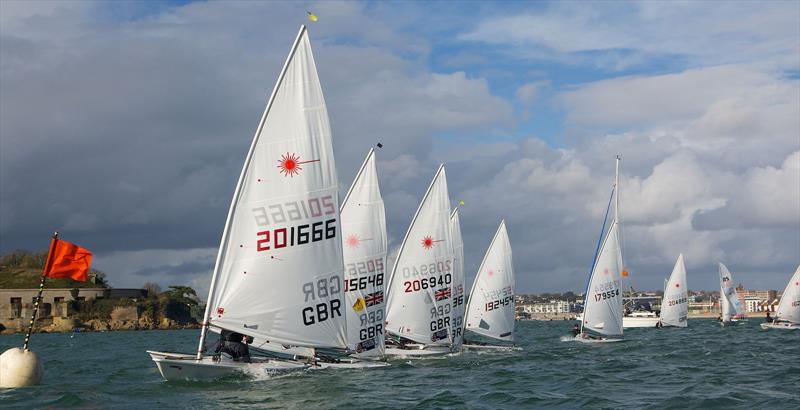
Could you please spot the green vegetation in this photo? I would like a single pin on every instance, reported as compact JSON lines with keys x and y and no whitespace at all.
{"x":23,"y":270}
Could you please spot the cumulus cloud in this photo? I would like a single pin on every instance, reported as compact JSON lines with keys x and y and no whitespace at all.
{"x":623,"y":34}
{"x":152,"y":110}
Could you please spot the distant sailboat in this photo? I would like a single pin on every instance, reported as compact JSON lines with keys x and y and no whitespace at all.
{"x":364,"y":233}
{"x":458,"y":297}
{"x":788,"y":314}
{"x":602,"y":311}
{"x":675,"y":303}
{"x":418,"y":312}
{"x":729,"y":304}
{"x":279,"y":271}
{"x":490,"y":311}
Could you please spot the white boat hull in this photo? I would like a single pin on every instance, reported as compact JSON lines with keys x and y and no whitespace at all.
{"x":581,"y":339}
{"x":490,"y":347}
{"x":781,"y":325}
{"x":180,"y":366}
{"x":631,"y":322}
{"x":416,"y":351}
{"x":350,"y":364}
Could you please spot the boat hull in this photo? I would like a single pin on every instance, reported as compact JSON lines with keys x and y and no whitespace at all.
{"x":417,"y":351}
{"x":490,"y":348}
{"x":180,"y":366}
{"x":589,"y":340}
{"x":354,"y":364}
{"x":632,"y":322}
{"x":781,"y":325}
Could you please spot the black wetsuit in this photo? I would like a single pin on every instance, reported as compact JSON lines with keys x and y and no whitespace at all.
{"x":575,"y":332}
{"x":232,"y":344}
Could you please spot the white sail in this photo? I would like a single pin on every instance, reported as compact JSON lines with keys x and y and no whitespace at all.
{"x":491,"y":300}
{"x":675,"y":303}
{"x":789,"y":308}
{"x":364,"y":233}
{"x":457,"y":287}
{"x":603,"y":306}
{"x":279,"y":272}
{"x":418,"y":305}
{"x":728,"y":300}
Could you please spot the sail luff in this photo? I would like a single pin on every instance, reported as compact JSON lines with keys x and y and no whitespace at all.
{"x":358,"y":175}
{"x":237,"y":193}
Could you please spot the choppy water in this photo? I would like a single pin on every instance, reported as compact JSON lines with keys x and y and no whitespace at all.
{"x":700,"y":366}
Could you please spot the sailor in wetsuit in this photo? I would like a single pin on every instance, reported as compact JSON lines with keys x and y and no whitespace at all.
{"x":576,"y":331}
{"x":233,"y":344}
{"x":768,"y":318}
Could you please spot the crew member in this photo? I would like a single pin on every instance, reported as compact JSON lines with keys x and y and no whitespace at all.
{"x":576,"y":331}
{"x":232,"y":344}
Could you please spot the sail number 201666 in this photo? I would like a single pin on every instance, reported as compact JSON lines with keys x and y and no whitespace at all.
{"x":302,"y":234}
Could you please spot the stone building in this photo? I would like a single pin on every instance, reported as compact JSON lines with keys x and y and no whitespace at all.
{"x":16,"y":305}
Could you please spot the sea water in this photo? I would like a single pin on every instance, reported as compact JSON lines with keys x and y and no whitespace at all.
{"x":702,"y":366}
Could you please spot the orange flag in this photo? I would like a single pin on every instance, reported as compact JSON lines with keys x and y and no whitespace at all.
{"x":66,"y":260}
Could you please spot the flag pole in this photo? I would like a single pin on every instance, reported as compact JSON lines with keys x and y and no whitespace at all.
{"x":41,"y":289}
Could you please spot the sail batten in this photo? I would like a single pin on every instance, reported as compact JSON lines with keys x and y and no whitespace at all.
{"x":491,"y":301}
{"x":419,"y":297}
{"x":279,"y":272}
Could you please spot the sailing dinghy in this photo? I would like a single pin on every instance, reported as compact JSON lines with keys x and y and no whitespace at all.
{"x":490,"y":310}
{"x":788,"y":315}
{"x":458,"y":308}
{"x":418,"y":311}
{"x":731,"y":311}
{"x":279,"y":271}
{"x":364,"y":233}
{"x":602,"y":311}
{"x":675,"y":302}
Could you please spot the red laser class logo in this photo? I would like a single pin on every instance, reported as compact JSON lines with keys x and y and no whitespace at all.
{"x":352,"y":241}
{"x":490,"y":273}
{"x":289,"y":164}
{"x":428,"y":242}
{"x":677,"y":285}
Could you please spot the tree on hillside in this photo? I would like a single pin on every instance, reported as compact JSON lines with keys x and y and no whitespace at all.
{"x":183,"y":294}
{"x":152,"y":289}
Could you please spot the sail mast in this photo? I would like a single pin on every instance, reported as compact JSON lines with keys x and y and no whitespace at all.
{"x":237,"y":193}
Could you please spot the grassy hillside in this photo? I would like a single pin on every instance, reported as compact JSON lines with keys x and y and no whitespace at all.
{"x":23,"y":270}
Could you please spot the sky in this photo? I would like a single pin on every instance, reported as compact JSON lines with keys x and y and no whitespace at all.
{"x":124,"y":125}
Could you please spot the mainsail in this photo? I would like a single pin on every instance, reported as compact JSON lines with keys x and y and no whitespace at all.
{"x":491,"y":300}
{"x":457,"y":287}
{"x":675,"y":303}
{"x":418,"y":305}
{"x":364,"y":233}
{"x":789,"y":308}
{"x":279,"y":272}
{"x":602,"y":310}
{"x":728,"y":300}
